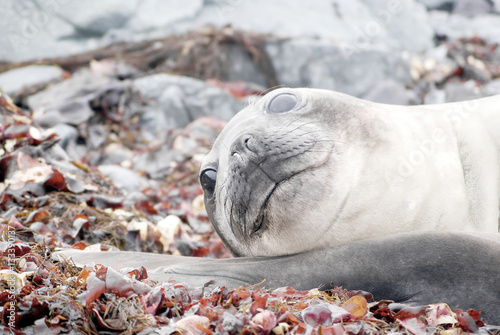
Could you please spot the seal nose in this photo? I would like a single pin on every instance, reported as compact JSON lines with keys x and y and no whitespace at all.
{"x":247,"y":140}
{"x":245,"y":144}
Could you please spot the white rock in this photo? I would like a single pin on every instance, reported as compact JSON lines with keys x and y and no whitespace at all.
{"x":15,"y":80}
{"x":124,"y":178}
{"x":321,"y":63}
{"x":178,"y":100}
{"x":169,"y":227}
{"x":457,"y":26}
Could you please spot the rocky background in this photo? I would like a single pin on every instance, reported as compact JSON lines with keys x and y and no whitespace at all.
{"x":109,"y":106}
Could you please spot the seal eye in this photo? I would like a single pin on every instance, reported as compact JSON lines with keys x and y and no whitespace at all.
{"x":282,"y":103}
{"x":207,"y":181}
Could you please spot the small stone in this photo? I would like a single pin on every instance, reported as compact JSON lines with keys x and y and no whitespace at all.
{"x":124,"y":178}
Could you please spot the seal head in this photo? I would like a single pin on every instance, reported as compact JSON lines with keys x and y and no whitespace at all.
{"x":267,"y":175}
{"x":303,"y":169}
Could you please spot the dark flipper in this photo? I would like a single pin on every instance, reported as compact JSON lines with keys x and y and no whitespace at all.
{"x":422,"y":268}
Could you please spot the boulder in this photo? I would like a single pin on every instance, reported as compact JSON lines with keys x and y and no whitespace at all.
{"x":439,"y":4}
{"x":455,"y":26}
{"x":472,"y":8}
{"x":392,"y":92}
{"x":67,"y":101}
{"x":174,"y":101}
{"x":33,"y":29}
{"x":323,"y":63}
{"x":14,"y":81}
{"x":124,"y":178}
{"x":63,"y":27}
{"x":359,"y":23}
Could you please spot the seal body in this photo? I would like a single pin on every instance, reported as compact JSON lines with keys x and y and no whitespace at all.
{"x":326,"y":188}
{"x":301,"y":169}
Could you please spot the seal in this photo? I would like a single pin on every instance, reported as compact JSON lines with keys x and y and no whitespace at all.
{"x":314,"y":187}
{"x":301,"y":169}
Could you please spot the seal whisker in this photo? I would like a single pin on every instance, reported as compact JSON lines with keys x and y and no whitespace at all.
{"x":332,"y":140}
{"x":301,"y":125}
{"x":295,"y":120}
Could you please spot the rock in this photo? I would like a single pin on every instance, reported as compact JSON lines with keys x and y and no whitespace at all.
{"x":32,"y":30}
{"x":492,"y":88}
{"x":457,"y":26}
{"x":435,"y":96}
{"x":46,"y":29}
{"x":169,"y":227}
{"x":476,"y":69}
{"x":243,"y":68}
{"x":439,"y":4}
{"x":321,"y":63}
{"x":359,"y":23}
{"x":164,"y":15}
{"x":66,"y":133}
{"x":67,"y":101}
{"x":115,"y":153}
{"x":471,"y":8}
{"x":157,"y":165}
{"x":14,"y":81}
{"x":63,"y":27}
{"x":461,"y":91}
{"x":185,"y":145}
{"x":392,"y":92}
{"x":496,"y":5}
{"x":176,"y":100}
{"x":95,"y":18}
{"x":124,"y":178}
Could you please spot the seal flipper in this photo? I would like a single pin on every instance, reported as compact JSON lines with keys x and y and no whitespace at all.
{"x":422,"y":268}
{"x":459,"y":269}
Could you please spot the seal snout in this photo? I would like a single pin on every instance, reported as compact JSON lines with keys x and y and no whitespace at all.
{"x":244,"y":139}
{"x":248,"y":148}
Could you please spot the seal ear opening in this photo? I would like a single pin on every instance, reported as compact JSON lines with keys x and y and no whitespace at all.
{"x":208,"y":178}
{"x":282,"y":103}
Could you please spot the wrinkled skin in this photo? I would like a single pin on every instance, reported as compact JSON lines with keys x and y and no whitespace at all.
{"x":324,"y":188}
{"x":328,"y":169}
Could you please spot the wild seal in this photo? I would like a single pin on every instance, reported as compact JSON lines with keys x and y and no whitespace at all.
{"x":316,"y":187}
{"x":302,"y":169}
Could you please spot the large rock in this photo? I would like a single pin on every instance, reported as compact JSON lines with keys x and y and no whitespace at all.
{"x":36,"y":29}
{"x":439,"y":4}
{"x":359,"y":23}
{"x":392,"y":92}
{"x":67,"y":101}
{"x":174,"y":101}
{"x":471,"y":8}
{"x":124,"y":178}
{"x":455,"y":26}
{"x":33,"y":29}
{"x":14,"y":81}
{"x":321,"y":63}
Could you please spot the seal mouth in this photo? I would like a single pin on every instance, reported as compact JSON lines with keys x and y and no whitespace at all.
{"x":259,"y":221}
